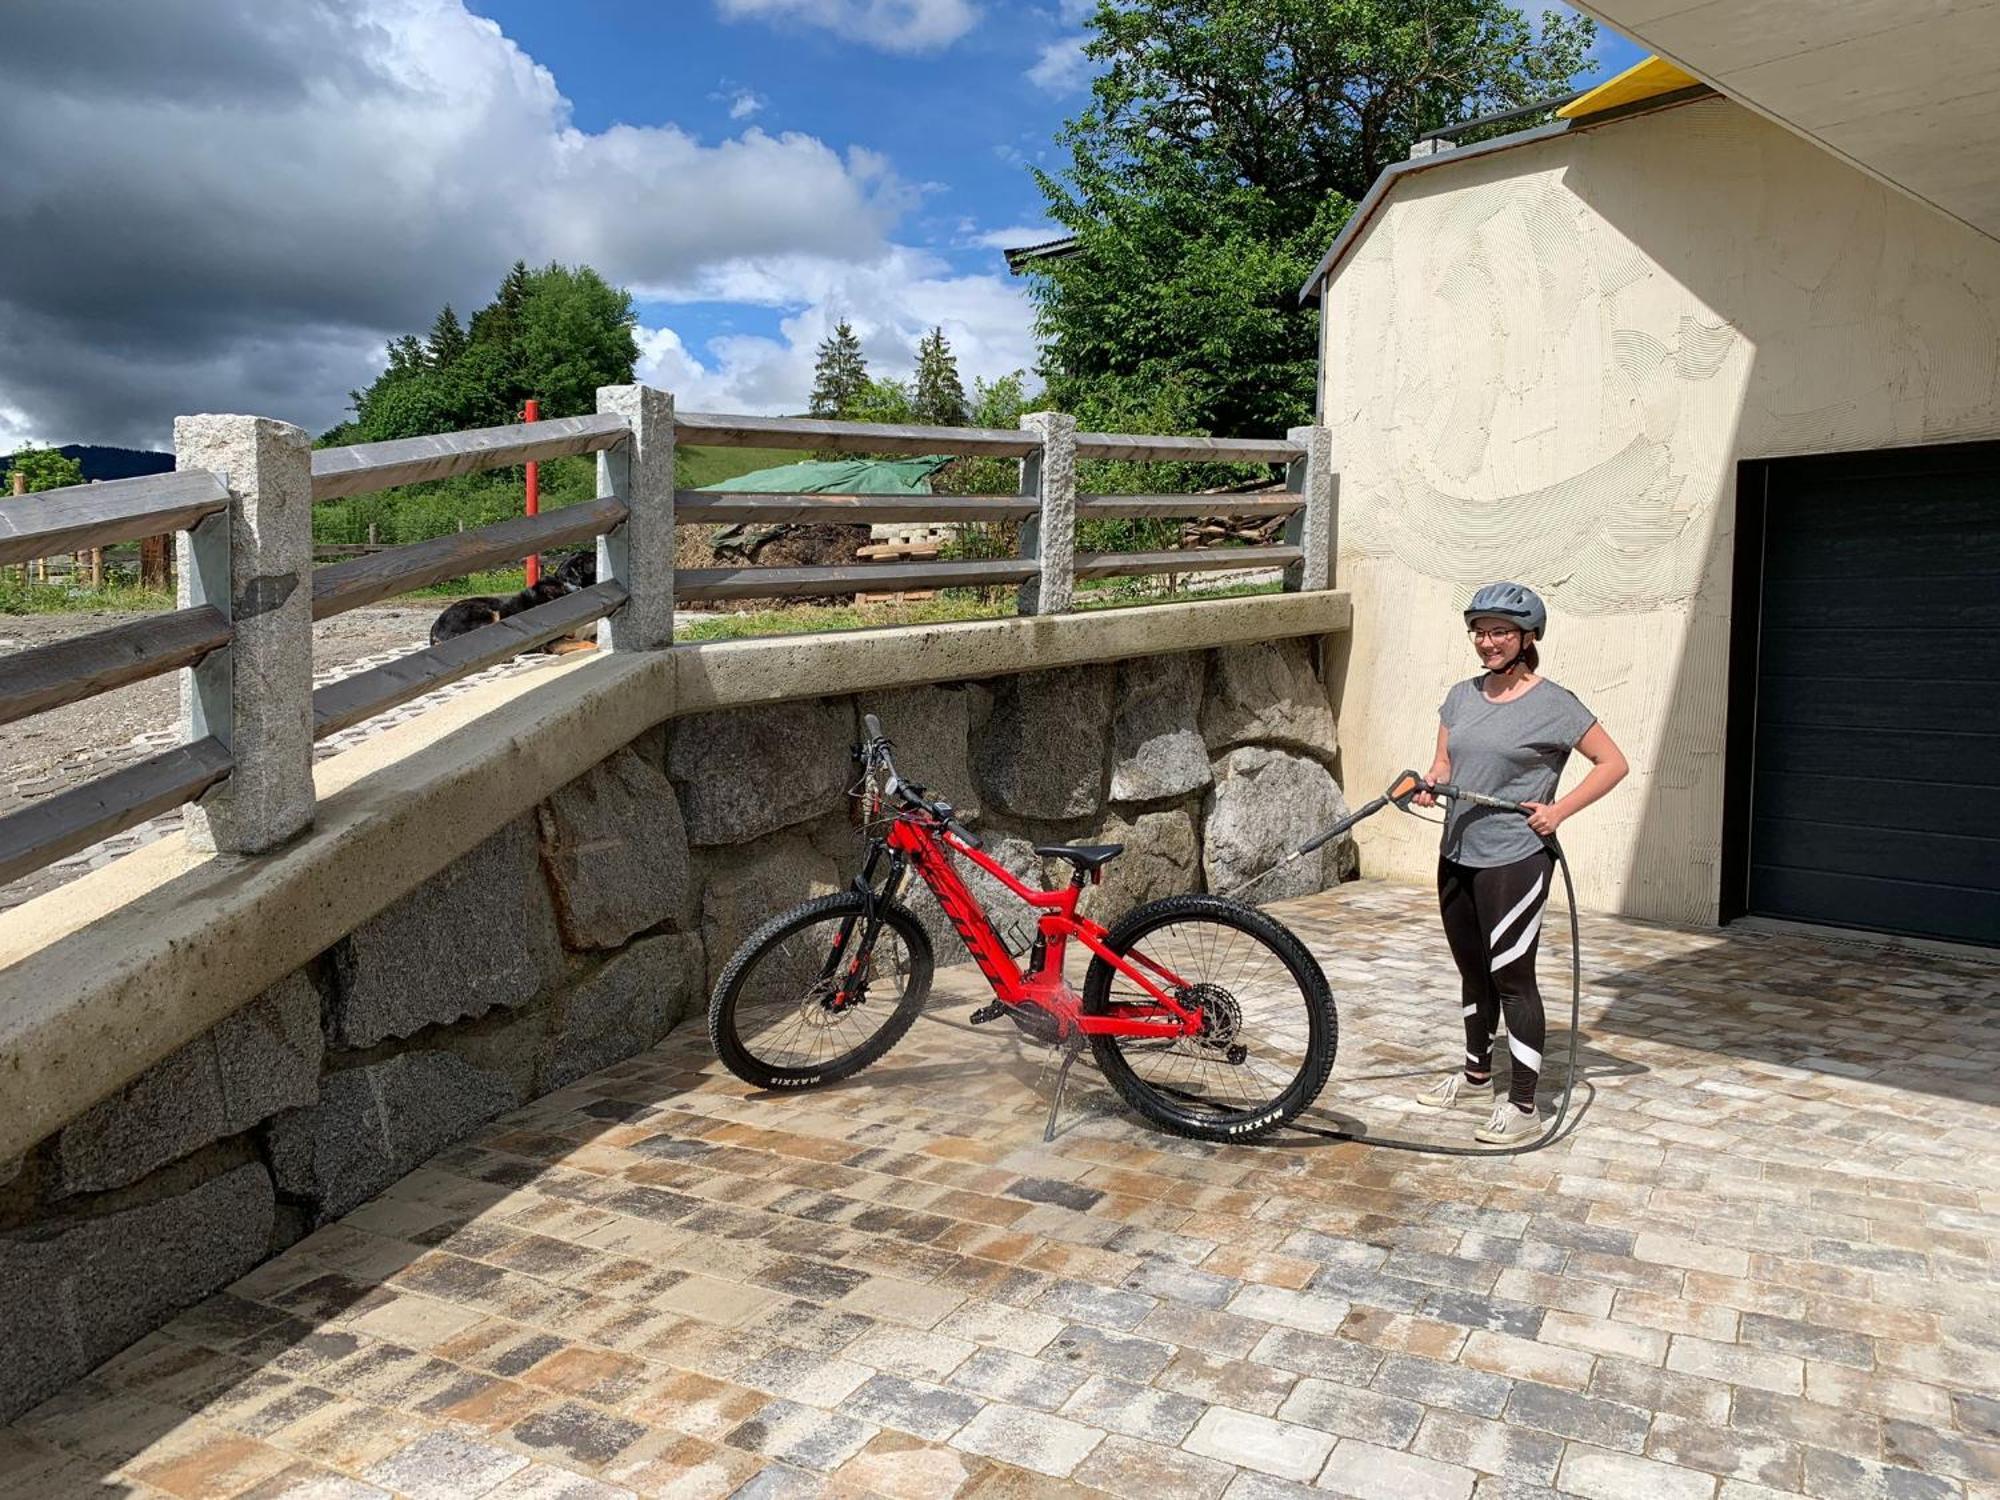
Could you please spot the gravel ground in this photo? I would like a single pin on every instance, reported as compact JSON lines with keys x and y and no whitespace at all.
{"x":51,"y":752}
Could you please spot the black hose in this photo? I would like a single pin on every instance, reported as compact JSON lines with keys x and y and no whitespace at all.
{"x":1575,"y":974}
{"x":1569,"y":1068}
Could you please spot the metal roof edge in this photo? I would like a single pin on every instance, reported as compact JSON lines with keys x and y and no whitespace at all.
{"x":1396,"y":171}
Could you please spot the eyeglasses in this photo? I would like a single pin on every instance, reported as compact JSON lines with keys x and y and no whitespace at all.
{"x":1496,"y":635}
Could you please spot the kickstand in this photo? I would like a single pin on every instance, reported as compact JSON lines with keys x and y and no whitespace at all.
{"x":1070,"y":1049}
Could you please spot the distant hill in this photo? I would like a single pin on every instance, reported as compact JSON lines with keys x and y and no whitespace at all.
{"x":100,"y":462}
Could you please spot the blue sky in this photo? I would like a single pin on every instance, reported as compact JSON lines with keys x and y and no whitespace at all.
{"x":232,"y":205}
{"x":961,"y":121}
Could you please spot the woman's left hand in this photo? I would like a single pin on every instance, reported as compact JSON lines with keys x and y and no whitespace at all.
{"x":1543,"y":818}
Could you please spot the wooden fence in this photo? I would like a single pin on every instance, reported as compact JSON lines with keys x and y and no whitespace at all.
{"x":241,"y":505}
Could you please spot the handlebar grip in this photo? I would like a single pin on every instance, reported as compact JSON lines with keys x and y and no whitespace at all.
{"x":964,"y":834}
{"x":872,"y":726}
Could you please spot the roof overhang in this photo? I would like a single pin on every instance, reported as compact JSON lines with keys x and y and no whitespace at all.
{"x":1908,"y":91}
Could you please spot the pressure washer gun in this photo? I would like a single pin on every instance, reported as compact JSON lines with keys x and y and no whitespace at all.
{"x":1401,"y":792}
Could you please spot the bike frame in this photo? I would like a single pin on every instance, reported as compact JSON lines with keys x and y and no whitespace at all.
{"x":925,"y":846}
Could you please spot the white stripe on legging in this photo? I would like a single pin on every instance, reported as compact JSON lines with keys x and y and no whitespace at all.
{"x":1525,"y":902}
{"x":1525,"y":1055}
{"x":1521,"y":944}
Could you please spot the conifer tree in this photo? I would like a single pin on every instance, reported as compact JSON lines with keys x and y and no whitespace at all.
{"x":939,"y":396}
{"x":447,"y":341}
{"x":840,"y":375}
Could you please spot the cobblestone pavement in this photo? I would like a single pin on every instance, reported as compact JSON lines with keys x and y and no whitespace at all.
{"x":1762,"y":1263}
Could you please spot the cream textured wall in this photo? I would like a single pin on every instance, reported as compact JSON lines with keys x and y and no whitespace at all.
{"x":1545,"y":364}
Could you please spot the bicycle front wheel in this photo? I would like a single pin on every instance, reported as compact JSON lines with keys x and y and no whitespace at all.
{"x":815,"y":995}
{"x":1269,"y":1027}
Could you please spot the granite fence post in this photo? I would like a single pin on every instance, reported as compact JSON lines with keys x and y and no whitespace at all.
{"x":1314,"y":527}
{"x":639,"y":553}
{"x":253,"y":562}
{"x":1049,"y":536}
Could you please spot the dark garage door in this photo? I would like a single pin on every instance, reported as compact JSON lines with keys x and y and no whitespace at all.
{"x":1866,"y":791}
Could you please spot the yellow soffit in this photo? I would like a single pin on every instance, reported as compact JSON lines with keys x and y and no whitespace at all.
{"x":1638,"y":83}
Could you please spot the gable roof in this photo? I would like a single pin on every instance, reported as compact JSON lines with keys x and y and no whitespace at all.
{"x":1641,"y":89}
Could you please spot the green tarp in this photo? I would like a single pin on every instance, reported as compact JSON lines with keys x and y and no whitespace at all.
{"x":840,"y":476}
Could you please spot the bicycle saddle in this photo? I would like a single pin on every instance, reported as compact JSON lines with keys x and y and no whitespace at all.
{"x":1083,"y":856}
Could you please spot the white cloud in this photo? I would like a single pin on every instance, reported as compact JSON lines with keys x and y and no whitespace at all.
{"x":1061,"y":67}
{"x":892,"y":25}
{"x":1076,"y":12}
{"x":234,"y":215}
{"x":892,"y":301}
{"x":1013,"y":239}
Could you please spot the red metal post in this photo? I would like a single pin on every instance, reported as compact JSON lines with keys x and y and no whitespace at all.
{"x":533,"y":413}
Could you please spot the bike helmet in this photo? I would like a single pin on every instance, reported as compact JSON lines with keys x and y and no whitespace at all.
{"x":1510,"y":601}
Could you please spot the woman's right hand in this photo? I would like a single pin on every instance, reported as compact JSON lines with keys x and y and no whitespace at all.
{"x":1426,"y":797}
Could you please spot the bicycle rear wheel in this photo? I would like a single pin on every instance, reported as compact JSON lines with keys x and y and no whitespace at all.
{"x":1270,"y":1027}
{"x":812,"y":997}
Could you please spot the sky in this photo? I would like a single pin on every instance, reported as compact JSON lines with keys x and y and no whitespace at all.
{"x":231,"y":205}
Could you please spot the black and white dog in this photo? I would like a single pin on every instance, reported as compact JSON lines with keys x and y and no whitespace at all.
{"x":576,"y":571}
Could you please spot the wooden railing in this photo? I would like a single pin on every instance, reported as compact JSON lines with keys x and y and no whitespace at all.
{"x":248,"y":591}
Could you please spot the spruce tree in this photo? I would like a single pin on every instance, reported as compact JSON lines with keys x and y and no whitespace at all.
{"x":939,"y":397}
{"x":447,"y":341}
{"x":840,"y":375}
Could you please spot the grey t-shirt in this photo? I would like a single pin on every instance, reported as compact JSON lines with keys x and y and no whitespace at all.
{"x":1516,"y":750}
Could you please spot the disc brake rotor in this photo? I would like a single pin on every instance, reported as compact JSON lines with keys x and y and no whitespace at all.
{"x":1221,"y":1019}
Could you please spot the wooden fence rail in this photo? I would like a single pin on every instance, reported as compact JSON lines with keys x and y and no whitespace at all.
{"x":243,"y":629}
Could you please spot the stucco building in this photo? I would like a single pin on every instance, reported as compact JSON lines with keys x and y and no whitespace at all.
{"x":1727,"y":392}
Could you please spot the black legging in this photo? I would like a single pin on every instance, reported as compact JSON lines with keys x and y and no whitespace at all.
{"x":1493,"y":921}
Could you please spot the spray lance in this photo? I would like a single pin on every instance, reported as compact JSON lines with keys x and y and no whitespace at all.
{"x":1401,"y":793}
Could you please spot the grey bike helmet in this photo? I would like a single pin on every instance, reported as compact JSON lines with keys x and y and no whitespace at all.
{"x":1510,"y":601}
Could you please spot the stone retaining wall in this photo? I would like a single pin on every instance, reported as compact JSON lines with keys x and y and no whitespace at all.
{"x":585,"y":931}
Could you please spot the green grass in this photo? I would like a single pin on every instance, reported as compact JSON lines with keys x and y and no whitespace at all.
{"x":1122,"y":593}
{"x":18,"y":598}
{"x":695,"y":467}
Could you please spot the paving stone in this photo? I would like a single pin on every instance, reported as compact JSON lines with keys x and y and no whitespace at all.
{"x":1587,"y":1419}
{"x":1253,"y":1442}
{"x":1524,"y":1359}
{"x":1718,"y":1450}
{"x":804,"y":1375}
{"x":1330,"y":1358}
{"x":1597,"y":1475}
{"x":802,"y":1435}
{"x":1095,"y":1350}
{"x":1273,"y":1304}
{"x":1604,"y":1336}
{"x":907,"y":1468}
{"x":1917,"y":1445}
{"x":577,"y":1433}
{"x":1807,"y":1340}
{"x":540,"y":1482}
{"x":1688,"y":1396}
{"x":1347,"y":1412}
{"x":1472,"y":1310}
{"x":445,"y":1466}
{"x":1029,"y":1439}
{"x":913,"y":1406}
{"x":1243,"y":1384}
{"x":1138,"y":1411}
{"x":1782,"y":1373}
{"x":1178,"y":1283}
{"x":1212,"y":1332}
{"x":1000,"y":1376}
{"x":1079,"y":1302}
{"x":1434,"y":1384}
{"x":1489,"y":1447}
{"x":1979,"y":1415}
{"x":1000,"y":1326}
{"x":1138,"y":1470}
{"x":1836,"y":1476}
{"x":1368,"y":1472}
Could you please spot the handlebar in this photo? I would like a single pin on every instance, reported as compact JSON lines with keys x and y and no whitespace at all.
{"x":874,"y":750}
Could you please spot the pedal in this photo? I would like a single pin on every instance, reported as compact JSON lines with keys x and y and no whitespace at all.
{"x":993,"y":1010}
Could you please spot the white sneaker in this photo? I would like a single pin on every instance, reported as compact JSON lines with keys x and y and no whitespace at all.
{"x":1444,"y":1095}
{"x":1508,"y":1126}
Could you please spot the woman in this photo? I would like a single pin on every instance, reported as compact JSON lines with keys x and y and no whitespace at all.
{"x":1507,"y":733}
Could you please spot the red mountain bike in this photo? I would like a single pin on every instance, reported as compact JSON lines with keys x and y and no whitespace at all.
{"x":1208,"y":1017}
